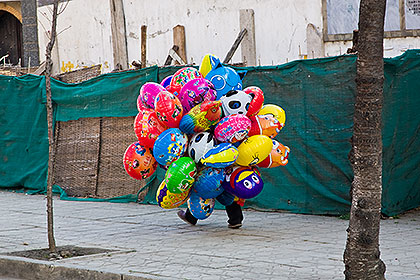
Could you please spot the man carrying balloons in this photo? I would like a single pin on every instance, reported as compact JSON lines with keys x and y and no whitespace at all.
{"x":210,"y":136}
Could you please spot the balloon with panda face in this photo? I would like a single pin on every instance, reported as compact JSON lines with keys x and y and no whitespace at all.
{"x":235,"y":102}
{"x":199,"y":144}
{"x":243,"y":181}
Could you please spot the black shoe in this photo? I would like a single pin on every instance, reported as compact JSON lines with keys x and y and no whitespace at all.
{"x":181,"y":215}
{"x":235,"y":226}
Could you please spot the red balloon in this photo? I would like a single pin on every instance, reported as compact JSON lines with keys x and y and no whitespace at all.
{"x":257,"y":100}
{"x":139,"y":162}
{"x":148,"y":127}
{"x":168,"y":109}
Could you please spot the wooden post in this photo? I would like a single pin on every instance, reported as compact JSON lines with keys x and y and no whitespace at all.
{"x":247,"y":21}
{"x":143,"y":45}
{"x":179,"y":40}
{"x":235,"y":45}
{"x":118,"y":33}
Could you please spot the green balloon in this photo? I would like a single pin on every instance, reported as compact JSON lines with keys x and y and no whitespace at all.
{"x":180,"y":175}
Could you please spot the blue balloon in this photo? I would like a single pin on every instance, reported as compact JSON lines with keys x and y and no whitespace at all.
{"x":169,"y":146}
{"x":226,"y":198}
{"x":208,"y":182}
{"x":224,"y":78}
{"x":200,"y":208}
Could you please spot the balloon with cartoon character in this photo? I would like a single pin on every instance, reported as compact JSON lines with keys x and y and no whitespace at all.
{"x":181,"y":77}
{"x":235,"y":102}
{"x":138,"y":161}
{"x":208,"y":182}
{"x":276,"y":111}
{"x":253,"y":150}
{"x":222,"y":77}
{"x":220,"y":156}
{"x":243,"y":181}
{"x":201,"y":117}
{"x":147,"y":127}
{"x":232,"y":128}
{"x":199,"y":144}
{"x":196,"y":91}
{"x":169,"y":146}
{"x":199,"y":207}
{"x":264,"y":125}
{"x":168,"y":109}
{"x":279,"y":156}
{"x":148,"y":93}
{"x":257,"y":100}
{"x":180,"y":175}
{"x":168,"y":200}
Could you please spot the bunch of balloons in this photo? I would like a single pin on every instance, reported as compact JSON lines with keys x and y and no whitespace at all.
{"x":209,"y":134}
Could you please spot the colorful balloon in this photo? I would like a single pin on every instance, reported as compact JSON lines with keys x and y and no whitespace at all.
{"x":235,"y":102}
{"x":257,"y":100}
{"x":200,"y":208}
{"x":276,"y":111}
{"x":278,"y":157}
{"x":196,"y":91}
{"x":168,"y":109}
{"x":232,"y":128}
{"x":138,"y":161}
{"x":264,"y":125}
{"x":148,"y":93}
{"x":254,"y":149}
{"x":166,"y":82}
{"x":201,"y":117}
{"x":220,"y":156}
{"x":208,"y":182}
{"x":223,"y":78}
{"x":180,"y":175}
{"x":243,"y":182}
{"x":207,"y":63}
{"x":199,"y":144}
{"x":181,"y":77}
{"x":169,"y":146}
{"x":168,"y":200}
{"x":147,"y":127}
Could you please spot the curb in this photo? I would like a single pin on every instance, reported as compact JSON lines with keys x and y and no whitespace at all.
{"x":24,"y":268}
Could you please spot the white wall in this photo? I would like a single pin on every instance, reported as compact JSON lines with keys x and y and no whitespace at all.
{"x":211,"y":26}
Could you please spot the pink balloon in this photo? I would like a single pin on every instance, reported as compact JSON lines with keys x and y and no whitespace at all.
{"x":232,"y":128}
{"x":196,"y":91}
{"x":148,"y":93}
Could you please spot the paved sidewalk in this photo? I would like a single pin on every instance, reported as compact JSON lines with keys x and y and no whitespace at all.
{"x":153,"y":243}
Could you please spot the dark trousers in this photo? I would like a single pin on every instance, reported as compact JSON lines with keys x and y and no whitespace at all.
{"x":233,"y":211}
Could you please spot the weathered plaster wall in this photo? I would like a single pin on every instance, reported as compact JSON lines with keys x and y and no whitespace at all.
{"x":284,"y":31}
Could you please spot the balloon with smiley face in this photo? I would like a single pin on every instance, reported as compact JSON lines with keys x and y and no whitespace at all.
{"x":243,"y":182}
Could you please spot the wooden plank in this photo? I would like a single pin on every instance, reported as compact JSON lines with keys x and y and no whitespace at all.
{"x":143,"y":45}
{"x":235,"y":45}
{"x":179,"y":40}
{"x":118,"y":34}
{"x":248,"y":48}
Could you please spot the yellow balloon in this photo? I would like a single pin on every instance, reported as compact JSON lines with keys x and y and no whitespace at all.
{"x":254,"y":149}
{"x":276,"y":111}
{"x":207,"y":64}
{"x":169,"y":200}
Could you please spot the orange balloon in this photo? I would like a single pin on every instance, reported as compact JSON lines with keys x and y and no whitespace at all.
{"x":148,"y":127}
{"x":278,"y":157}
{"x":264,"y":125}
{"x":168,"y":109}
{"x":139,"y":162}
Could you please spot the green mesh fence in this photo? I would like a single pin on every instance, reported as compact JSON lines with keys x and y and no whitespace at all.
{"x":318,"y":96}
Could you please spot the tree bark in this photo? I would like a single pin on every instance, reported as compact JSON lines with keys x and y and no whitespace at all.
{"x":51,"y":148}
{"x":362,"y":255}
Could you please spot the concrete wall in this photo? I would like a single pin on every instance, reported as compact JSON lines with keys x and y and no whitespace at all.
{"x":284,"y":31}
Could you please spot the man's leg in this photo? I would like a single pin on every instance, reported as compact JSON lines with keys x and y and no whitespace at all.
{"x":187,"y":217}
{"x":234,"y":212}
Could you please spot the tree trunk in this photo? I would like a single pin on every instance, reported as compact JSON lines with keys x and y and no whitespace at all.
{"x":51,"y":150}
{"x":362,"y":255}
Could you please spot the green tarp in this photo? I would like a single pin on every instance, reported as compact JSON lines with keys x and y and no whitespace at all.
{"x":318,"y":96}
